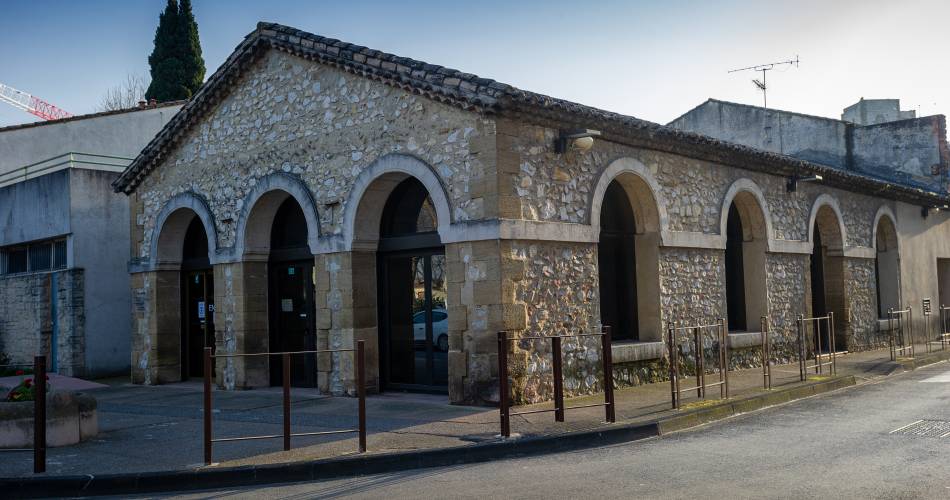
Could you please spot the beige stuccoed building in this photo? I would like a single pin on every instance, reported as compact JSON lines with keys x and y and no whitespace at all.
{"x":314,"y":193}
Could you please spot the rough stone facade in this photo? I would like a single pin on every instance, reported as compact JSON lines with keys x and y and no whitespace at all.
{"x":37,"y":308}
{"x":517,"y":221}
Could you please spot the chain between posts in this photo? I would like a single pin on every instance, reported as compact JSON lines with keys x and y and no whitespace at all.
{"x":504,"y":396}
{"x":359,"y":354}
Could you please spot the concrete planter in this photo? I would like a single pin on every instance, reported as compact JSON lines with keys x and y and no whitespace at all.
{"x":70,"y":418}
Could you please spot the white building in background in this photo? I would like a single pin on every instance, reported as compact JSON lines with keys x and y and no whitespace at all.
{"x":64,"y":238}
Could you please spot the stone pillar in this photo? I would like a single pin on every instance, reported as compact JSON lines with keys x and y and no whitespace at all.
{"x":156,"y":327}
{"x":346,"y":312}
{"x":241,"y":323}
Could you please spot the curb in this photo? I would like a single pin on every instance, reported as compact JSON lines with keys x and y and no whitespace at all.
{"x":333,"y":468}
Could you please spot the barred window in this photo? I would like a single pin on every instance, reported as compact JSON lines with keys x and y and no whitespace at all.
{"x":39,"y":256}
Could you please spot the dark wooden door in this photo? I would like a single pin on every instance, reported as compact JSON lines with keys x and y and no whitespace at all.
{"x":292,"y":321}
{"x":197,"y":320}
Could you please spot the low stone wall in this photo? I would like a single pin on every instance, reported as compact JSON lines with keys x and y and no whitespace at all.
{"x":70,"y":419}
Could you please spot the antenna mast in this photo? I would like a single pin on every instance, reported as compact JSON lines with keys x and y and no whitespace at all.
{"x":763,"y":68}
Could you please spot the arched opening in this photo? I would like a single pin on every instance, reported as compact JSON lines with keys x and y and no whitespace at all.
{"x":197,"y":300}
{"x":746,"y":235}
{"x":887,"y":267}
{"x":184,"y":293}
{"x":617,"y":264}
{"x":413,"y":326}
{"x":291,"y":325}
{"x":827,"y":276}
{"x":735,"y":274}
{"x":628,"y":259}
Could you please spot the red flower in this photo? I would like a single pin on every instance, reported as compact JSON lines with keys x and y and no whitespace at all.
{"x":28,"y":382}
{"x":20,"y":372}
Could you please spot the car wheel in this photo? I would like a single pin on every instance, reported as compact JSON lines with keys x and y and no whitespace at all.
{"x":443,"y":343}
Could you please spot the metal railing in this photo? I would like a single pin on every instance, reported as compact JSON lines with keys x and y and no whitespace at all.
{"x":209,"y":440}
{"x":944,"y":335}
{"x":64,"y":161}
{"x":932,"y":340}
{"x":831,"y":360}
{"x":504,"y":402}
{"x":900,"y":326}
{"x":768,"y":370}
{"x":675,"y":342}
{"x":39,"y":414}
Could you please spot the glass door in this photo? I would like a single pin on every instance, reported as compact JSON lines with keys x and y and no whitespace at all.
{"x":416,"y":321}
{"x":292,"y":326}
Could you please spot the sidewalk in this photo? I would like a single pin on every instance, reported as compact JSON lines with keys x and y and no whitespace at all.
{"x":160,"y":428}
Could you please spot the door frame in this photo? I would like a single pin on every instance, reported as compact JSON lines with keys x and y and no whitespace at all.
{"x":275,"y":363}
{"x":384,"y":332}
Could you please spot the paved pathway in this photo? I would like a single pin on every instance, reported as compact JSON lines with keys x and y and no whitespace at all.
{"x":160,"y":428}
{"x":836,"y":445}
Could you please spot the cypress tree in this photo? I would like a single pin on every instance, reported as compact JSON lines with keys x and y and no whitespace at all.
{"x":177,"y":68}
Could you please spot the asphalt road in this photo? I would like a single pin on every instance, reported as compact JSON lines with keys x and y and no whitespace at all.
{"x":838,"y":445}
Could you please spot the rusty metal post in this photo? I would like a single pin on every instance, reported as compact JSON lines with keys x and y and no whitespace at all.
{"x":802,"y":372}
{"x":673,"y":361}
{"x":698,"y":356}
{"x":763,"y":325}
{"x":834,"y":344}
{"x":724,"y":347}
{"x":816,"y":324}
{"x":207,"y":405}
{"x":674,"y":367}
{"x":285,"y":362}
{"x":557,"y":368}
{"x":39,"y":414}
{"x":503,"y":409}
{"x":609,"y":406}
{"x":361,"y":390}
{"x":910,"y":321}
{"x":890,"y":332}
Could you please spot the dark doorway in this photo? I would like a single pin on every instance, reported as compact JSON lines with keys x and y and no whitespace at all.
{"x":617,"y":264}
{"x":292,"y":324}
{"x":412,"y":310}
{"x":819,"y":302}
{"x":735,"y":272}
{"x":197,"y":295}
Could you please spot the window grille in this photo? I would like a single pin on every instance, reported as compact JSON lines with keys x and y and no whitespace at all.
{"x":35,"y":257}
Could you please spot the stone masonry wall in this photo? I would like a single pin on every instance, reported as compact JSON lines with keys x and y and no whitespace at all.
{"x":860,"y":281}
{"x":27,"y":305}
{"x":325,"y":126}
{"x":788,"y":283}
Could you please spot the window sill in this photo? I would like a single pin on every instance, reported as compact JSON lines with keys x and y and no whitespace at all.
{"x":743,"y":340}
{"x":629,"y":352}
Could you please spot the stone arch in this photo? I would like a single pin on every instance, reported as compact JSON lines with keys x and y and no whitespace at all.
{"x":892,"y":239}
{"x":371,"y":188}
{"x":644,"y":191}
{"x":745,"y":279}
{"x":828,"y":270}
{"x":165,"y":249}
{"x":252,"y":236}
{"x":650,"y":220}
{"x":752,"y":207}
{"x":886,"y":261}
{"x":826,"y":214}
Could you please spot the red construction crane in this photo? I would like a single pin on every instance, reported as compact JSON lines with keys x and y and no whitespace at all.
{"x":31,"y":104}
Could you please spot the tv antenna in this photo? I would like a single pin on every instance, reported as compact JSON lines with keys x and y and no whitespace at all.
{"x":763,"y":68}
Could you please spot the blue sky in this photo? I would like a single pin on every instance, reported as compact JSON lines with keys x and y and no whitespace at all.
{"x":653,"y":60}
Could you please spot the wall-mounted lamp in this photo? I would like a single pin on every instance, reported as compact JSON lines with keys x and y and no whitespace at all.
{"x":580,"y":140}
{"x":925,"y":211}
{"x":793,"y":181}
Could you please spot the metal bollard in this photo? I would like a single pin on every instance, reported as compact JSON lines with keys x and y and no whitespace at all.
{"x":39,"y":415}
{"x":207,"y":405}
{"x":361,"y":390}
{"x":503,"y":408}
{"x":609,"y":405}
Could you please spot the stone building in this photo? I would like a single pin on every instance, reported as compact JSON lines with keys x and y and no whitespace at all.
{"x":63,"y":237}
{"x":315,"y":192}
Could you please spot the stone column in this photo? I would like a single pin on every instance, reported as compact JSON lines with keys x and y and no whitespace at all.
{"x":156,"y":327}
{"x":241,"y":323}
{"x":346,"y":312}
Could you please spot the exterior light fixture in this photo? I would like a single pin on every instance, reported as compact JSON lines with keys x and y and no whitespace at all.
{"x":793,"y":181}
{"x":925,"y":211}
{"x":580,"y":140}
